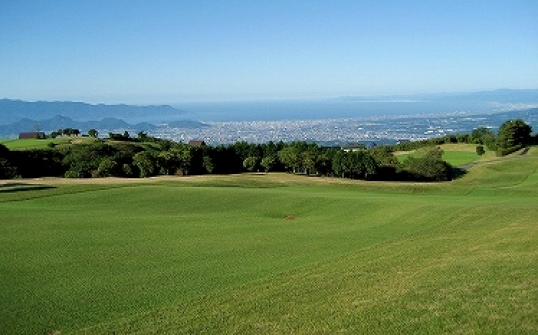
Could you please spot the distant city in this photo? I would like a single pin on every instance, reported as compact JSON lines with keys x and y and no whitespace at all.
{"x":341,"y":131}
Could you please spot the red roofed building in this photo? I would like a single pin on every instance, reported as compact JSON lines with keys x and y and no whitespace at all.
{"x":32,"y":134}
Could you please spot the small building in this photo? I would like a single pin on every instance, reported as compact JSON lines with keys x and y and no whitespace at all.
{"x":197,"y":143}
{"x":32,"y":134}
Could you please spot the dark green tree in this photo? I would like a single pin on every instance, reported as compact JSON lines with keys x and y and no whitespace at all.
{"x":482,"y":135}
{"x":93,"y":133}
{"x":107,"y":168}
{"x":146,"y":163}
{"x":480,"y":150}
{"x":7,"y":170}
{"x":207,"y":164}
{"x":427,"y":168}
{"x":289,"y":157}
{"x":308,"y":161}
{"x":339,"y":164}
{"x":83,"y":160}
{"x":323,"y":162}
{"x":513,"y":133}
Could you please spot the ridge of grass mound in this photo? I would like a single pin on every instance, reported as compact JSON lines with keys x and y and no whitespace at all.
{"x":222,"y":254}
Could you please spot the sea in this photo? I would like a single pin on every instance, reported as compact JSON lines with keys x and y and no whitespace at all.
{"x":318,"y":109}
{"x":278,"y":110}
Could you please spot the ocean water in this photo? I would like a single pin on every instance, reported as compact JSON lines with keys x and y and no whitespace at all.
{"x":320,"y":109}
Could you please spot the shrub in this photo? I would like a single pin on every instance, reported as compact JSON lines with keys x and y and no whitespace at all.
{"x":507,"y":151}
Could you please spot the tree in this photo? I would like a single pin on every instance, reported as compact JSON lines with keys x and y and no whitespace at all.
{"x":290,"y":158}
{"x":7,"y":170}
{"x":146,"y":163}
{"x":184,"y":156}
{"x":513,"y":133}
{"x":369,"y":165}
{"x":340,"y":164}
{"x":308,"y":161}
{"x":142,"y":136}
{"x":435,"y":153}
{"x":427,"y":168}
{"x":383,"y":156}
{"x":84,"y":159}
{"x":207,"y":164}
{"x":323,"y":162}
{"x":70,"y":132}
{"x":93,"y":133}
{"x":127,"y":170}
{"x":174,"y":160}
{"x":480,"y":150}
{"x":107,"y":168}
{"x":169,"y":163}
{"x":482,"y":135}
{"x":268,"y":163}
{"x":251,"y":163}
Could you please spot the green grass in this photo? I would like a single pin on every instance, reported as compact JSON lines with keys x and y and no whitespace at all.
{"x":273,"y":254}
{"x":25,"y":144}
{"x":455,"y":154}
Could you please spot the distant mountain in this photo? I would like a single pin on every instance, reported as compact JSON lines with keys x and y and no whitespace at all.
{"x":15,"y":110}
{"x":60,"y":122}
{"x":105,"y":125}
{"x":494,"y":96}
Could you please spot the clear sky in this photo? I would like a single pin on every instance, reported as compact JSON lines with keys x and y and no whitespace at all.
{"x":174,"y":51}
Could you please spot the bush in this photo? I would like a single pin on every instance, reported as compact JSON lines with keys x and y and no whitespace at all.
{"x":427,"y":168}
{"x":503,"y":152}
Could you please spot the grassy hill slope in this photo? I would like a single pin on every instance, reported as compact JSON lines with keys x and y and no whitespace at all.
{"x":455,"y":154}
{"x":24,"y":144}
{"x":273,"y":254}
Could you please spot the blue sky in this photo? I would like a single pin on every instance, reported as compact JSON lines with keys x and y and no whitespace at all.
{"x":176,"y":51}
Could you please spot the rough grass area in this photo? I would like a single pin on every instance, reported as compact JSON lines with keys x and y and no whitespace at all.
{"x":272,"y":254}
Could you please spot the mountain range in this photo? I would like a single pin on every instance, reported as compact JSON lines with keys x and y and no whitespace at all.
{"x":499,"y":96}
{"x":104,"y":125}
{"x":18,"y":116}
{"x":15,"y":110}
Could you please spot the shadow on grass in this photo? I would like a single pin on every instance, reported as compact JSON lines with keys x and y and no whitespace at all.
{"x":20,"y":187}
{"x":458,"y":172}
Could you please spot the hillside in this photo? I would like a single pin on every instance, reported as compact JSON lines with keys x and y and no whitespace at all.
{"x":272,"y":253}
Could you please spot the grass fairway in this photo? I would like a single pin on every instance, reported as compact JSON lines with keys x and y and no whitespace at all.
{"x":273,"y":254}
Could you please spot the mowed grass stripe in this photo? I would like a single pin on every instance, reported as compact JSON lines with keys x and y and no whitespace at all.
{"x":474,"y":274}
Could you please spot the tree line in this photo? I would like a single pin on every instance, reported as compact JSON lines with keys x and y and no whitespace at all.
{"x":144,"y":156}
{"x":512,"y":135}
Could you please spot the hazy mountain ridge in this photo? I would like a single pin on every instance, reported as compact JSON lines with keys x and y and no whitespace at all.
{"x":15,"y":110}
{"x":104,"y":125}
{"x":61,"y":122}
{"x":493,"y":96}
